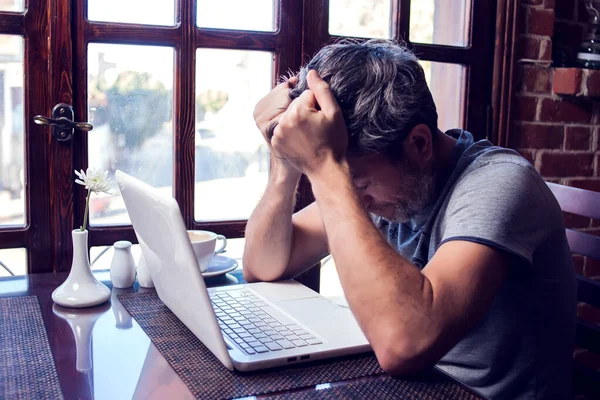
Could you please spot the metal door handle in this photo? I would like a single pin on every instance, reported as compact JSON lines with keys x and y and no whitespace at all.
{"x":62,"y":122}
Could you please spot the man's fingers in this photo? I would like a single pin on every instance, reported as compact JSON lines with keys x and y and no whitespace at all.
{"x":322,"y":93}
{"x":307,"y":99}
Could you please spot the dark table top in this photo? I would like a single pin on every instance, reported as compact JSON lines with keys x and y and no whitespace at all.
{"x":119,"y":361}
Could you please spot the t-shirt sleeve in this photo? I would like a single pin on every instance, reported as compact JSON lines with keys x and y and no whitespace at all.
{"x":502,"y":205}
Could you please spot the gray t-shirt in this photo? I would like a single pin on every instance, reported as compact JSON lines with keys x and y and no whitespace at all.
{"x":522,"y":348}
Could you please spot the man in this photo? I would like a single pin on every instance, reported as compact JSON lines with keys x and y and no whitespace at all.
{"x":450,"y":252}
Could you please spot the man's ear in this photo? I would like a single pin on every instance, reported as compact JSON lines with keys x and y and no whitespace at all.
{"x":418,"y":145}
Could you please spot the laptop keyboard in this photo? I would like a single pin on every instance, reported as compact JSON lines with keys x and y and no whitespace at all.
{"x":245,"y":319}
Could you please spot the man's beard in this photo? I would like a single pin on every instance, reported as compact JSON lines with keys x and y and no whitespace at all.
{"x":418,"y":194}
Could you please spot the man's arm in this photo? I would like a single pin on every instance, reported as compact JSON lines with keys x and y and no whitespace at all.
{"x":279,"y":245}
{"x":410,"y":317}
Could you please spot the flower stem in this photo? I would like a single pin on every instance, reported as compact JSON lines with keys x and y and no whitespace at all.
{"x":87,"y":207}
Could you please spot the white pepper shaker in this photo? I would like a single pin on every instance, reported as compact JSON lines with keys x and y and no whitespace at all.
{"x":122,"y":268}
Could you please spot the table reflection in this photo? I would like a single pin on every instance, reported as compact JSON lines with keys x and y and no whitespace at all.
{"x":81,"y":321}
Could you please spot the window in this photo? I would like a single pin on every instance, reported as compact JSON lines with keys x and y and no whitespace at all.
{"x":170,"y":86}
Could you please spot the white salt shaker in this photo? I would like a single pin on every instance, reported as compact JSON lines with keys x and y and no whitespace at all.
{"x":122,"y":268}
{"x":143,"y":273}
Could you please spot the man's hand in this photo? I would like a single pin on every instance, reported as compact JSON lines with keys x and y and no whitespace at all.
{"x":312,"y":130}
{"x":267,"y":113}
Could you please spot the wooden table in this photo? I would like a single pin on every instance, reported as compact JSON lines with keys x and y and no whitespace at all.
{"x":121,"y":361}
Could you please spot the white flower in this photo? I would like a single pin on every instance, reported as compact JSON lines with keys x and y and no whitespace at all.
{"x":94,"y":180}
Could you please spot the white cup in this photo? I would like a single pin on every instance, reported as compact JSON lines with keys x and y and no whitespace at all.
{"x":203,"y":243}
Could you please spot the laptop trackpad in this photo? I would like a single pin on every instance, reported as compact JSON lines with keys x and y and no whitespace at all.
{"x":314,"y":309}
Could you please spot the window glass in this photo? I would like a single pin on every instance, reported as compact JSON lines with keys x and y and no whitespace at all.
{"x":12,"y":147}
{"x":446,"y":82}
{"x":360,"y":18}
{"x":232,"y":158}
{"x":254,"y":15}
{"x":130,"y":104}
{"x":440,"y":22}
{"x":13,"y":262}
{"x":11,"y":5}
{"x":148,"y":12}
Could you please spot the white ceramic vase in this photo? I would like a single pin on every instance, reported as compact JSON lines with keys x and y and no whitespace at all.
{"x":81,"y":288}
{"x":143,"y":273}
{"x":122,"y":268}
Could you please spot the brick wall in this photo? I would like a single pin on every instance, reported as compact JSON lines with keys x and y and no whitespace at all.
{"x":559,"y":133}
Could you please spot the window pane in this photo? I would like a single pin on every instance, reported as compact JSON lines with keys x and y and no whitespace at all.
{"x":232,"y":159}
{"x":130,"y":104}
{"x":11,"y":5}
{"x":250,"y":15}
{"x":360,"y":18}
{"x":149,"y":12}
{"x":446,"y":82}
{"x":440,"y":22}
{"x":12,"y":149}
{"x":13,"y":262}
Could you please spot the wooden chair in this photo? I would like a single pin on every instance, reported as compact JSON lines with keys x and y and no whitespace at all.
{"x":585,"y":203}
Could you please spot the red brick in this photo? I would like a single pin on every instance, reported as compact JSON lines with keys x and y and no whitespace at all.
{"x":565,"y":9}
{"x":536,"y":136}
{"x":529,"y":47}
{"x":546,"y":49}
{"x":540,"y":22}
{"x":592,"y":184}
{"x":591,"y":268}
{"x":593,"y":83}
{"x":578,"y":138}
{"x":529,"y":155}
{"x":567,"y":81}
{"x":588,"y":313}
{"x":536,"y":80}
{"x":566,"y":110}
{"x":566,"y":164}
{"x":574,"y":221}
{"x":525,"y":108}
{"x":578,"y":264}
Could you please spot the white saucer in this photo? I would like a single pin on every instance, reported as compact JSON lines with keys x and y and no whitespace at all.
{"x":220,"y":265}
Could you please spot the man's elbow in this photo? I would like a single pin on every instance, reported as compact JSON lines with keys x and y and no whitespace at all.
{"x":403,"y":357}
{"x":251,"y":276}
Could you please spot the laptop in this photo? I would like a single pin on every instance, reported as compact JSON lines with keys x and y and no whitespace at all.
{"x":247,"y":327}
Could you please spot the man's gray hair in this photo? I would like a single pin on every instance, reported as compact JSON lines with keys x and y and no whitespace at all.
{"x":381,"y":89}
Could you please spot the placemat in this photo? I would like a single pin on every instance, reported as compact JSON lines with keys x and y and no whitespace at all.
{"x":27,"y":370}
{"x":204,"y":374}
{"x":384,"y":388}
{"x":207,"y":378}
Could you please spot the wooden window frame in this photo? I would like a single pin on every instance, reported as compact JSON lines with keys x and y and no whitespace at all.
{"x":288,"y":46}
{"x":31,"y":25}
{"x":302,"y":31}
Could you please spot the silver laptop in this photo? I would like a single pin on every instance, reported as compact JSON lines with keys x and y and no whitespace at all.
{"x":247,"y":327}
